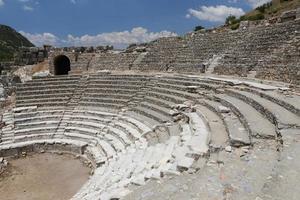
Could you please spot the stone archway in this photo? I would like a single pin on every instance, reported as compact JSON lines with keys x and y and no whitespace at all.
{"x":62,"y":65}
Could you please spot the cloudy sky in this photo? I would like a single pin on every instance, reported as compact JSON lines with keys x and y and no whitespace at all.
{"x":116,"y":22}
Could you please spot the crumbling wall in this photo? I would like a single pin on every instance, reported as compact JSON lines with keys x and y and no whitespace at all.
{"x":30,"y":55}
{"x":79,"y":61}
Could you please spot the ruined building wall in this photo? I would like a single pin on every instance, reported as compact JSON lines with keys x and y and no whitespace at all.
{"x":79,"y":61}
{"x":30,"y":56}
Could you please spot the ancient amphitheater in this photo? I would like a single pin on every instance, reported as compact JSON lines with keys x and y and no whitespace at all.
{"x":209,"y":115}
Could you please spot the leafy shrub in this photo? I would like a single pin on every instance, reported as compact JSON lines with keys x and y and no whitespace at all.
{"x":258,"y":16}
{"x":243,"y":18}
{"x":263,"y":7}
{"x":231,"y":19}
{"x":235,"y":26}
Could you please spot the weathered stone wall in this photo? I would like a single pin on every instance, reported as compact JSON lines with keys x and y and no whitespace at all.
{"x":5,"y":66}
{"x":79,"y":61}
{"x":30,"y":55}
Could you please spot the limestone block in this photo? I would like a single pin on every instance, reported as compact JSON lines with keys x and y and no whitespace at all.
{"x":223,"y":109}
{"x":185,"y":162}
{"x":41,"y":74}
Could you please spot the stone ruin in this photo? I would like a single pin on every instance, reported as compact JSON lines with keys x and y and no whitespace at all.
{"x":266,"y":51}
{"x":159,"y":122}
{"x":31,"y":55}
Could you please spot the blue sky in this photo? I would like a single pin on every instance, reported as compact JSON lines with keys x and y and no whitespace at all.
{"x":119,"y":22}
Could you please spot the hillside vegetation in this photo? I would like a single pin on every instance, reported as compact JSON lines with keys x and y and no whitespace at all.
{"x":10,"y":41}
{"x":272,"y":9}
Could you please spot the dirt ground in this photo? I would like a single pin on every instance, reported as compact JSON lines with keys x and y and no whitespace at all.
{"x":43,"y":177}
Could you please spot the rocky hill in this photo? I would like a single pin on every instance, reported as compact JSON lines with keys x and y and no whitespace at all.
{"x":10,"y":41}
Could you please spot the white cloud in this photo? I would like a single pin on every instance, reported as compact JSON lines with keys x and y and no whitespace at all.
{"x":73,"y":1}
{"x":256,"y":3}
{"x":215,"y":13}
{"x":41,"y":39}
{"x":118,"y":39}
{"x":1,"y":3}
{"x":28,"y":8}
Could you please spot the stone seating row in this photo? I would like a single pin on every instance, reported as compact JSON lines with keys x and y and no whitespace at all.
{"x":243,"y":50}
{"x":110,"y":61}
{"x":214,"y":113}
{"x":157,"y":105}
{"x":136,"y":166}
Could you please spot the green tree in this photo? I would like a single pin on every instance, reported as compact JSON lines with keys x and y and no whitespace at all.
{"x":231,"y":19}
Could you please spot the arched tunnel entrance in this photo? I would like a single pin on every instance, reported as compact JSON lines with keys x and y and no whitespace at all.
{"x":62,"y":65}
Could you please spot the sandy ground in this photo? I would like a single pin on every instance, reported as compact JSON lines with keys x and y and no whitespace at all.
{"x":43,"y":177}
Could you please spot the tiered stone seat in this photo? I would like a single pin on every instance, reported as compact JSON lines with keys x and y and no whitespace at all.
{"x":161,"y":125}
{"x":83,"y":62}
{"x":107,"y":92}
{"x":31,"y":123}
{"x":218,"y":137}
{"x":258,"y":51}
{"x":7,"y":133}
{"x":53,"y":91}
{"x":206,"y":45}
{"x":113,"y":61}
{"x":255,"y":48}
{"x":274,"y":112}
{"x":238,"y":134}
{"x":283,"y":62}
{"x":254,"y":121}
{"x":169,"y":54}
{"x":287,"y":100}
{"x":138,"y":165}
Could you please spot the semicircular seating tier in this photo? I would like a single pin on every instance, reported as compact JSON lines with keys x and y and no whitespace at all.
{"x":136,"y":128}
